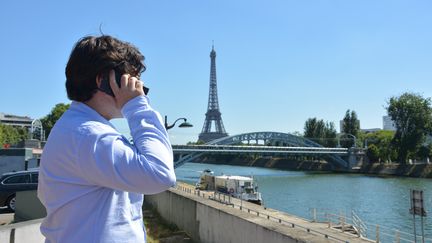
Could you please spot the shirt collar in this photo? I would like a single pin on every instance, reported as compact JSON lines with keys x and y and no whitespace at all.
{"x":81,"y":107}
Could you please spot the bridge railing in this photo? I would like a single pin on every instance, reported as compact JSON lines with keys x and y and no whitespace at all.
{"x":259,"y":149}
{"x":248,"y":147}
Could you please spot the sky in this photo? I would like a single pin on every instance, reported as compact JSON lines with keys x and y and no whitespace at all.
{"x":279,"y":62}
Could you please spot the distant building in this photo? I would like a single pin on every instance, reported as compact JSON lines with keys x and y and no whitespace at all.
{"x":17,"y":121}
{"x":388,"y":124}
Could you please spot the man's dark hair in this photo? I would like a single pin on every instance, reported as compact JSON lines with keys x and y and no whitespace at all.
{"x":94,"y":56}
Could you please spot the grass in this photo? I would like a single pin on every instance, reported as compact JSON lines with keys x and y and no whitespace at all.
{"x":158,"y":230}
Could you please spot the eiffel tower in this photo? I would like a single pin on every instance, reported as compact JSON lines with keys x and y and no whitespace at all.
{"x":213,"y":114}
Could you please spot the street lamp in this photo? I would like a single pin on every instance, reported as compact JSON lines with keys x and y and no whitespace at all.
{"x":348,"y":134}
{"x":183,"y":124}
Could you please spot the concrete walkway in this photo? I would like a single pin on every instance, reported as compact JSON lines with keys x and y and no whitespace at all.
{"x":285,"y":220}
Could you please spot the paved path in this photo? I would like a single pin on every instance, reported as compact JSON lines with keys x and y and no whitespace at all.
{"x":6,"y":216}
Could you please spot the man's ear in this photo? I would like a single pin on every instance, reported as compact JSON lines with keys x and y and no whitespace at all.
{"x":99,"y":78}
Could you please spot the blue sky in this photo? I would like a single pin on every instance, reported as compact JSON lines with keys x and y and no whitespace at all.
{"x":279,"y":62}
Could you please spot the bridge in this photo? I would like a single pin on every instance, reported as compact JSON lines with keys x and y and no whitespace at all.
{"x":279,"y":144}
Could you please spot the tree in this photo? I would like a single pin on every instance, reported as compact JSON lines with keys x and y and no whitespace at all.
{"x":320,"y":132}
{"x":373,"y":153}
{"x":330,"y":135}
{"x":49,"y":120}
{"x":12,"y":135}
{"x":424,"y":152}
{"x":412,"y":115}
{"x":350,"y":125}
{"x":382,"y":141}
{"x":310,"y":128}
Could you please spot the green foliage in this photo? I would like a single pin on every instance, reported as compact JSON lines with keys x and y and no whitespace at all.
{"x":373,"y":153}
{"x":12,"y":135}
{"x":383,"y":141}
{"x":49,"y":120}
{"x":320,"y":132}
{"x":425,"y":151}
{"x":412,"y":115}
{"x":350,"y":125}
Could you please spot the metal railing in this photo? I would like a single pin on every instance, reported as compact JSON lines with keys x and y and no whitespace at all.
{"x":377,"y":233}
{"x":358,"y":224}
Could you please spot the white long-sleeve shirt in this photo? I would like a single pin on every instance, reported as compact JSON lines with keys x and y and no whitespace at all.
{"x":92,"y":180}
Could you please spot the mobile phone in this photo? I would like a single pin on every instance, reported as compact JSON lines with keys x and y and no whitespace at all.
{"x":105,"y":85}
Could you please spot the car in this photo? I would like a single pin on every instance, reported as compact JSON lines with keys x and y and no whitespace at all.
{"x":12,"y":182}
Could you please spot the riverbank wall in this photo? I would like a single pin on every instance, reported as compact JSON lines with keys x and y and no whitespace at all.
{"x":386,"y":169}
{"x":267,"y":162}
{"x":208,"y":221}
{"x":393,"y":169}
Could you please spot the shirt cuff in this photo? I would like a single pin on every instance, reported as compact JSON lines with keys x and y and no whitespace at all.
{"x":140,"y":102}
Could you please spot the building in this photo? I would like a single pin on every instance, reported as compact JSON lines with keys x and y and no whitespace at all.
{"x":17,"y":121}
{"x":388,"y":124}
{"x":34,"y":127}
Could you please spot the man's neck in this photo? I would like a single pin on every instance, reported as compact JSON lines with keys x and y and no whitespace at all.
{"x":104,"y":105}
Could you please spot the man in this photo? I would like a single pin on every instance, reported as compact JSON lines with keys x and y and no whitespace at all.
{"x":91,"y":178}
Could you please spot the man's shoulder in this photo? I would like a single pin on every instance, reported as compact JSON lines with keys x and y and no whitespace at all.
{"x":81,"y":125}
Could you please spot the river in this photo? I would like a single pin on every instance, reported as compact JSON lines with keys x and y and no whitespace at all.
{"x":376,"y":200}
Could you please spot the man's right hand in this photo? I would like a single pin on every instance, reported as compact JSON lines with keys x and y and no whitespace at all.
{"x":131,"y":87}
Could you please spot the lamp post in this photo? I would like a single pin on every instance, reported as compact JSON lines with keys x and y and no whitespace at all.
{"x":183,"y":124}
{"x":348,"y":134}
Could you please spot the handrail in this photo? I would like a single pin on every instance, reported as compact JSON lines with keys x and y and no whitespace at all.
{"x":358,"y":224}
{"x":396,"y":235}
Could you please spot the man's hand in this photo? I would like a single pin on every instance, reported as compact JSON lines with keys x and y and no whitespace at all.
{"x":130,"y":88}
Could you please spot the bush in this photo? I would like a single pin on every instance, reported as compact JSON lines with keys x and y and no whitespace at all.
{"x":373,"y":153}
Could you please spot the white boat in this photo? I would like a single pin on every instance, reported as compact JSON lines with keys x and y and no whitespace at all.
{"x":241,"y":187}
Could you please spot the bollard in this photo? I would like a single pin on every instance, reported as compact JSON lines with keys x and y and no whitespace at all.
{"x":342,"y":221}
{"x":377,"y":234}
{"x":397,"y":237}
{"x":343,"y":224}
